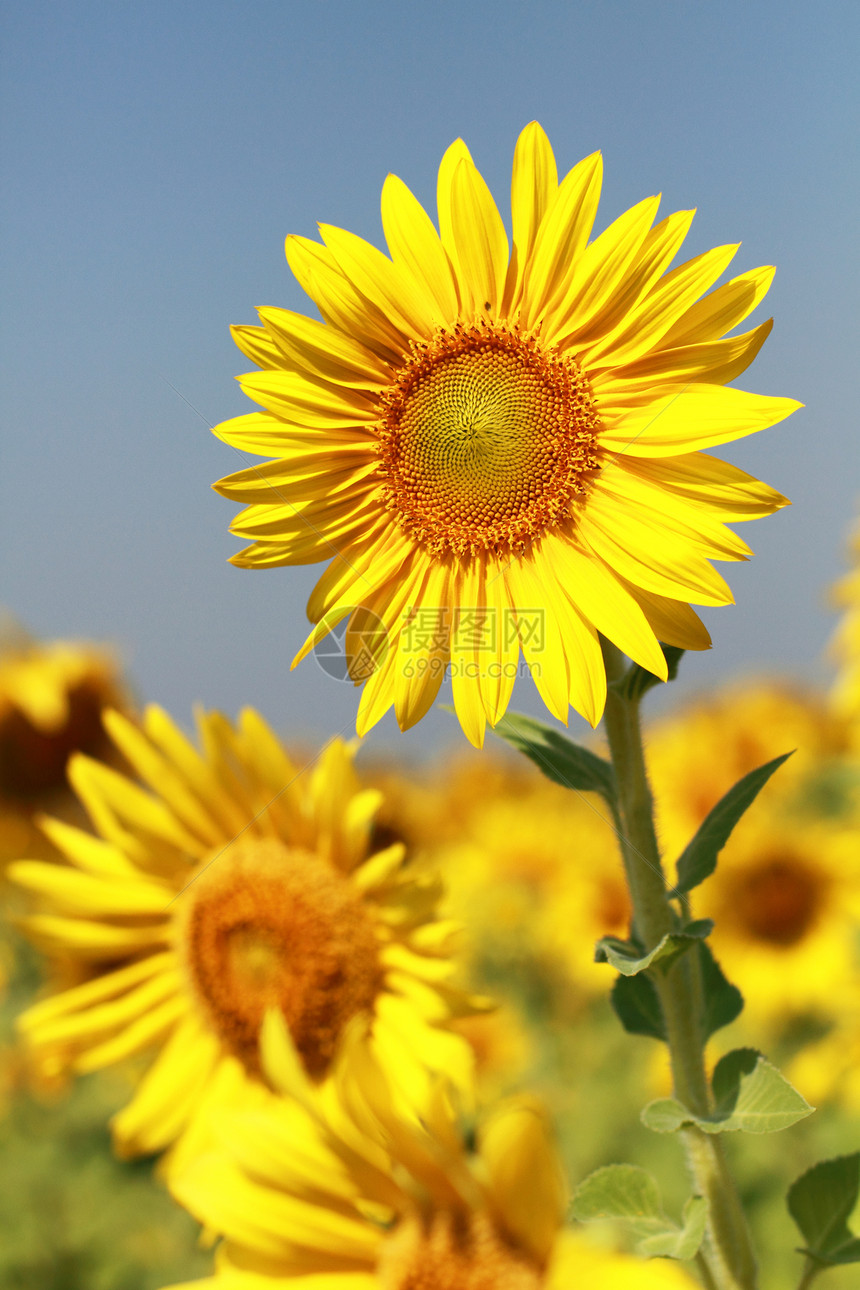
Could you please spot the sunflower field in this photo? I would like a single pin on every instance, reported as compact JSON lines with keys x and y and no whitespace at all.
{"x":541,"y":1014}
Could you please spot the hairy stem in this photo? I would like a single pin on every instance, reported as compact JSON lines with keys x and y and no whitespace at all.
{"x":727,"y":1255}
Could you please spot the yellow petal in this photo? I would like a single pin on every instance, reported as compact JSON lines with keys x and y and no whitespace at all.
{"x":395,"y":294}
{"x":649,"y":320}
{"x":716,"y":362}
{"x":686,"y":418}
{"x":84,"y":893}
{"x":258,"y":346}
{"x":322,"y":351}
{"x":309,"y":402}
{"x":169,"y":1092}
{"x":600,"y":271}
{"x":339,"y":303}
{"x":561,"y":237}
{"x":598,"y":595}
{"x":534,"y":183}
{"x":722,"y":309}
{"x":649,"y":557}
{"x":451,"y":158}
{"x":526,"y":1180}
{"x":415,"y":247}
{"x":672,"y":621}
{"x":480,"y":238}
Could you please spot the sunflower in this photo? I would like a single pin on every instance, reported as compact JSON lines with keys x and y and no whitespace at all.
{"x":382,"y":1202}
{"x":496,"y":446}
{"x":241,"y":881}
{"x":785,"y":897}
{"x":52,"y":696}
{"x":696,"y":755}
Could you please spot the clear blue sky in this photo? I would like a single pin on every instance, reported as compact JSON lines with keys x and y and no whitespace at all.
{"x":155,"y":155}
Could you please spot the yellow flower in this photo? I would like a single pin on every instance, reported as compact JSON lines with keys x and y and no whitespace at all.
{"x":696,"y":755}
{"x":240,"y":882}
{"x":846,"y":642}
{"x":785,"y":898}
{"x":386,"y":1201}
{"x":498,"y":448}
{"x":52,"y":697}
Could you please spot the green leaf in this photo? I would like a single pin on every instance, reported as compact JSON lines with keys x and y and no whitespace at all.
{"x":698,"y":860}
{"x":723,"y":1002}
{"x":683,"y":1242}
{"x":750,"y":1095}
{"x":630,"y":1195}
{"x":637,"y":680}
{"x":627,"y":957}
{"x":821,"y":1202}
{"x":637,"y":1006}
{"x":560,"y":759}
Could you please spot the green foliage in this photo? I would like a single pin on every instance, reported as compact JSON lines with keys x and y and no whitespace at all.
{"x":558,"y":757}
{"x":630,"y":1195}
{"x":699,"y":858}
{"x":750,"y":1096}
{"x":637,"y":680}
{"x":723,"y":1002}
{"x":627,"y":957}
{"x":637,"y":1006}
{"x":821,"y":1202}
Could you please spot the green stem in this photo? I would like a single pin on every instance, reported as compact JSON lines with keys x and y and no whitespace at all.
{"x":811,"y":1270}
{"x":728,"y":1253}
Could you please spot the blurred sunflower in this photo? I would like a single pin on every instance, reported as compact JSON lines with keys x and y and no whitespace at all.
{"x":499,"y":447}
{"x":698,"y":754}
{"x":386,"y":1202}
{"x":785,"y":897}
{"x":52,"y":696}
{"x":238,"y":883}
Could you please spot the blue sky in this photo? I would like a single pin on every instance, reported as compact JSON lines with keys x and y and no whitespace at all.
{"x":155,"y":155}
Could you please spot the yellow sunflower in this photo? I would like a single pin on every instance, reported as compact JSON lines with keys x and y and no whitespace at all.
{"x":52,"y":696}
{"x":697,"y":754}
{"x":785,"y":897}
{"x":240,"y":881}
{"x":386,"y":1202}
{"x":496,"y":445}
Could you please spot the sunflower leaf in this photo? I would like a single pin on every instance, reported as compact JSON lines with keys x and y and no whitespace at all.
{"x":627,"y":957}
{"x":637,"y":680}
{"x":698,"y":860}
{"x":750,"y":1095}
{"x":637,"y":1006}
{"x":560,"y":759}
{"x":723,"y":1002}
{"x":630,"y":1195}
{"x":821,"y":1201}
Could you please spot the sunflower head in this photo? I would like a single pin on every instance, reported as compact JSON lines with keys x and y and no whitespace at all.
{"x":497,"y":443}
{"x":52,"y":697}
{"x":236,"y":882}
{"x":366,"y":1189}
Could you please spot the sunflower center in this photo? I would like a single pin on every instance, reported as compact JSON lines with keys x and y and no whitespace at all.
{"x":778,"y":900}
{"x":33,"y":761}
{"x":269,"y":927}
{"x":454,"y":1252}
{"x":486,"y":439}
